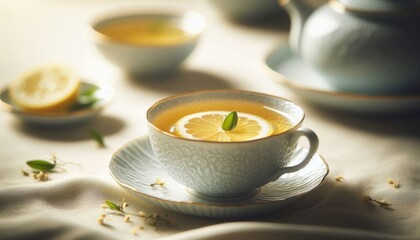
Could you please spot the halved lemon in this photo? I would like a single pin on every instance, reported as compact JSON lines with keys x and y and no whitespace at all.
{"x":208,"y":126}
{"x":46,"y":89}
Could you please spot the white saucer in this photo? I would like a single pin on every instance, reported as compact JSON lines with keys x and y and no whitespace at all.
{"x":104,"y":94}
{"x":135,"y":167}
{"x":283,"y":66}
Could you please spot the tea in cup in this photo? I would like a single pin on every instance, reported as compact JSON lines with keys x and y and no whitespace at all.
{"x":188,"y":136}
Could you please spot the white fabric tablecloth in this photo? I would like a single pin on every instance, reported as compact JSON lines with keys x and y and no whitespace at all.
{"x":365,"y":151}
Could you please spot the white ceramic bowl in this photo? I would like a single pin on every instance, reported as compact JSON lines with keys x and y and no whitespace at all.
{"x":147,"y":59}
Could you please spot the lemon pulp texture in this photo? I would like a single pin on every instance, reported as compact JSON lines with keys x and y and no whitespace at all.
{"x":203,"y":119}
{"x":208,"y":126}
{"x":46,"y":89}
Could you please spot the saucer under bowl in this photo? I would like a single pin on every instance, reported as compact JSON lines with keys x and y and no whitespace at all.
{"x":289,"y":70}
{"x":135,"y":168}
{"x":103,"y":95}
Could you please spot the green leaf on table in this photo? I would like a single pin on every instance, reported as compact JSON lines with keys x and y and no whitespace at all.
{"x":113,"y":206}
{"x":41,"y":165}
{"x":230,"y":121}
{"x":97,"y":136}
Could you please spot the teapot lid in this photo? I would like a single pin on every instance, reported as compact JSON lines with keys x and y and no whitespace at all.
{"x":384,"y":6}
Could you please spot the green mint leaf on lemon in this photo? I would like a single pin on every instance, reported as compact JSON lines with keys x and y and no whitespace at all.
{"x":230,"y":121}
{"x":41,"y":165}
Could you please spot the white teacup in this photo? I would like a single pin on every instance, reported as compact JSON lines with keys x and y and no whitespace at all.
{"x":229,"y":169}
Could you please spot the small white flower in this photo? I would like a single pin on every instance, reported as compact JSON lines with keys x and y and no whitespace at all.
{"x":101,"y":219}
{"x":339,"y":179}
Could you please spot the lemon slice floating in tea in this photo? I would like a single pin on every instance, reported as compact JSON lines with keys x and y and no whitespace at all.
{"x":46,"y":89}
{"x":208,"y":126}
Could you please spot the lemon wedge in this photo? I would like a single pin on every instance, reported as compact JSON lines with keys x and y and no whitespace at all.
{"x":208,"y":126}
{"x":46,"y":89}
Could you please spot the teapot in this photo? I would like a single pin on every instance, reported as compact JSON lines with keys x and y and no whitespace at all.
{"x":359,"y":46}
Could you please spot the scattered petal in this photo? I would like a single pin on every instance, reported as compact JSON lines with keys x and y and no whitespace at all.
{"x":142,"y":214}
{"x":101,"y":219}
{"x":339,"y":179}
{"x":40,"y":176}
{"x":158,"y":182}
{"x":394,"y":183}
{"x":153,"y":219}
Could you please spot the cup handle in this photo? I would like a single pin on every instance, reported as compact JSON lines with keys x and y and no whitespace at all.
{"x":313,"y":147}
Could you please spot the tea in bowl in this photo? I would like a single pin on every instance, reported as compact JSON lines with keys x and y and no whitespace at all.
{"x":147,"y":40}
{"x":226,"y":144}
